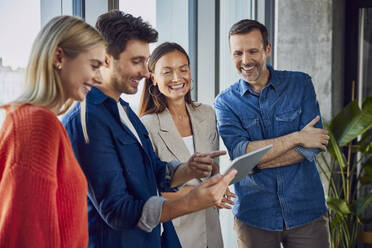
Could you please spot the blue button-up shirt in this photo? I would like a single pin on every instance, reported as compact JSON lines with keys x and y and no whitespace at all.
{"x":122,"y":174}
{"x":291,"y":194}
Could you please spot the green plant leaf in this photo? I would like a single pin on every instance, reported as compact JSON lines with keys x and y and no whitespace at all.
{"x":365,"y":144}
{"x":367,"y":105}
{"x":366,"y":178}
{"x":336,"y":220}
{"x":367,"y":166}
{"x":351,"y":122}
{"x":339,"y":206}
{"x":362,"y":203}
{"x":339,"y":124}
{"x":367,"y":149}
{"x":334,"y":149}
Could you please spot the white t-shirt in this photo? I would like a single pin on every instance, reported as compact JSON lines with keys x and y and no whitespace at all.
{"x":189,"y":142}
{"x":125,"y":120}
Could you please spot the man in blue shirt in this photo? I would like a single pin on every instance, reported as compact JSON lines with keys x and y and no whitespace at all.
{"x":284,"y":201}
{"x":124,"y":175}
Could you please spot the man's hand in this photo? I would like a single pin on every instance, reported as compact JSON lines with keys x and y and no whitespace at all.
{"x":312,"y":137}
{"x":226,"y":200}
{"x":201,"y":164}
{"x":213,"y":191}
{"x":209,"y":193}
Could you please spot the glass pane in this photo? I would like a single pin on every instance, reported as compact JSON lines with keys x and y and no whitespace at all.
{"x":365,"y":77}
{"x":365,"y":73}
{"x":148,"y":14}
{"x":230,"y":13}
{"x":19,"y":25}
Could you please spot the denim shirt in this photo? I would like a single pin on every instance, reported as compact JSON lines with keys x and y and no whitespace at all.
{"x":290,"y":194}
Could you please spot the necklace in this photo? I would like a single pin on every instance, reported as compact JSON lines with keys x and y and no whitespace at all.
{"x":182,"y":117}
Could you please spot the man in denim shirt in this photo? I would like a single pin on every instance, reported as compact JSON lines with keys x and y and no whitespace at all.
{"x":283,"y":202}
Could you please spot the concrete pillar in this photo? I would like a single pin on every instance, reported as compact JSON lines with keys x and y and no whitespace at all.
{"x":305,"y":42}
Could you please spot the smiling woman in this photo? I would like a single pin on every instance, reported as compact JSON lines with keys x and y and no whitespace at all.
{"x":173,"y":67}
{"x":178,"y":127}
{"x":41,"y":183}
{"x":76,"y":73}
{"x":173,"y":75}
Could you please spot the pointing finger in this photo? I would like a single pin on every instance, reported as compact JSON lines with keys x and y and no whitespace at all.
{"x":314,"y":121}
{"x":214,"y":154}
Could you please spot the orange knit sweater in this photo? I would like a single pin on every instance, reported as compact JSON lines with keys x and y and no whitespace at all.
{"x":43,"y":191}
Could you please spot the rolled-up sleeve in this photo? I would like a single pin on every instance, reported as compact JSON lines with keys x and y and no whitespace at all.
{"x":171,"y":167}
{"x":234,"y":136}
{"x":308,"y":153}
{"x":151,"y":213}
{"x":310,"y":109}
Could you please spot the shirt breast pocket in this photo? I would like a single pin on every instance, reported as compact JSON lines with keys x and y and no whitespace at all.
{"x":288,"y":122}
{"x":129,"y":153}
{"x":252,"y":126}
{"x":126,"y":140}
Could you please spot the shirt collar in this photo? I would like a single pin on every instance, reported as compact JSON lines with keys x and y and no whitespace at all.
{"x":98,"y":97}
{"x":123,"y":103}
{"x":273,"y":79}
{"x":244,"y":87}
{"x":273,"y":82}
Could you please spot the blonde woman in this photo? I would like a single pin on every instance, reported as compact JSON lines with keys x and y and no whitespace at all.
{"x":42,"y":188}
{"x":178,"y":128}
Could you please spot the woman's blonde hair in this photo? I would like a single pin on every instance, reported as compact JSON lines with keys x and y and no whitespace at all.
{"x":43,"y":86}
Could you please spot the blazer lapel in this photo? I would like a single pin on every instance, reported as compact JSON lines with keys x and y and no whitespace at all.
{"x":168,"y":131}
{"x":198,"y":126}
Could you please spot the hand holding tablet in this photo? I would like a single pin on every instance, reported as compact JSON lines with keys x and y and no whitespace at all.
{"x":245,"y":163}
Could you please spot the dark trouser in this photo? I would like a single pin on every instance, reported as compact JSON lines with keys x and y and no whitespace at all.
{"x":312,"y":235}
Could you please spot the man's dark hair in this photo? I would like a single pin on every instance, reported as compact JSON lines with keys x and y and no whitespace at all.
{"x":246,"y":26}
{"x":118,"y":28}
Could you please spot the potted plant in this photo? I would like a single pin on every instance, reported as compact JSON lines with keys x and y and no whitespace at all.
{"x":348,"y":171}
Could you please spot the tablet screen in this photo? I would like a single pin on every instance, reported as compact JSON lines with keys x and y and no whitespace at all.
{"x":245,"y":163}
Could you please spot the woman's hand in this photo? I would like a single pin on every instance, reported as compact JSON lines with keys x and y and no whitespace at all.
{"x":201,"y":165}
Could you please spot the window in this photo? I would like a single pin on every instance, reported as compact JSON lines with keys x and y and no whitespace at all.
{"x":365,"y":54}
{"x":230,"y":13}
{"x":148,"y":14}
{"x":19,"y":27}
{"x":169,"y":18}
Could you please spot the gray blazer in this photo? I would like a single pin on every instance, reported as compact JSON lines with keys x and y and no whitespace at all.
{"x":200,"y":229}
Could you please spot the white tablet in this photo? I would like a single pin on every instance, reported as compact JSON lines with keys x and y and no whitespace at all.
{"x":245,"y":163}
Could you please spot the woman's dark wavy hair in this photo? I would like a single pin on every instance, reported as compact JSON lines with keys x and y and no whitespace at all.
{"x":118,"y":28}
{"x":156,"y":103}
